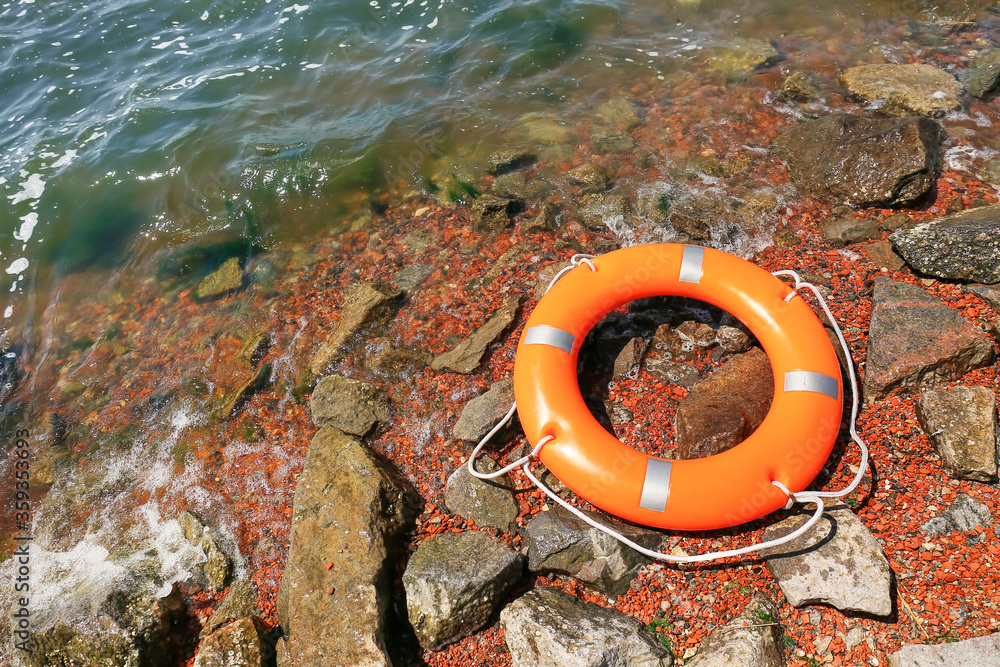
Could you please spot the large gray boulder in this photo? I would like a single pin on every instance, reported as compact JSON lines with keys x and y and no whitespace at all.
{"x":962,"y":424}
{"x":752,"y":639}
{"x":916,"y":341}
{"x":557,"y":541}
{"x":978,"y":652}
{"x":454,"y":583}
{"x":549,"y":628}
{"x":349,"y":510}
{"x":963,"y":246}
{"x":838,"y":562}
{"x":905,"y":90}
{"x":863,"y":161}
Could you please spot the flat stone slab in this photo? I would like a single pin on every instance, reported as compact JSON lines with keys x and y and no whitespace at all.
{"x":838,"y":563}
{"x":549,"y":628}
{"x":842,"y":231}
{"x":467,"y":355}
{"x":488,"y":502}
{"x":978,"y":652}
{"x":752,"y":639}
{"x":905,"y":90}
{"x":863,"y":161}
{"x":963,"y":246}
{"x":365,"y":303}
{"x":962,"y":424}
{"x":454,"y":583}
{"x":916,"y":341}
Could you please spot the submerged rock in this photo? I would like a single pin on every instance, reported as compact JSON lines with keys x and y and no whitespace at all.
{"x":838,"y":563}
{"x":365,"y":304}
{"x":468,"y":354}
{"x":350,"y":405}
{"x":962,"y":424}
{"x":545,"y":220}
{"x":591,"y":177}
{"x":916,"y":341}
{"x":620,"y":112}
{"x":905,"y":90}
{"x":488,"y":502}
{"x":491,"y":213}
{"x":737,"y":59}
{"x":980,"y":651}
{"x":863,"y":161}
{"x":349,"y":510}
{"x":454,"y":583}
{"x":608,"y":140}
{"x":802,"y":87}
{"x":558,"y":541}
{"x":630,"y":358}
{"x":964,"y":246}
{"x":519,"y":187}
{"x":227,"y":278}
{"x":752,"y":639}
{"x":724,"y":409}
{"x":549,"y":628}
{"x":510,"y":159}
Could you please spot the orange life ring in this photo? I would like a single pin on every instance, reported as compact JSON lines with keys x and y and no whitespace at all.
{"x":734,"y":487}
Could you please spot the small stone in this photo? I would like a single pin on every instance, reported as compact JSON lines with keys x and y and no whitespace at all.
{"x":676,"y":372}
{"x":558,"y":541}
{"x":990,"y":172}
{"x":545,"y":220}
{"x":802,"y":87}
{"x":454,"y":583}
{"x":483,"y":412}
{"x":549,"y":628}
{"x":964,"y":246}
{"x":214,"y":571}
{"x":752,"y":639}
{"x":905,"y":90}
{"x":421,"y":239}
{"x":350,"y":405}
{"x":467,"y":355}
{"x":988,"y":293}
{"x":242,"y":643}
{"x":488,"y":502}
{"x":510,"y":159}
{"x":630,"y":358}
{"x":411,"y":277}
{"x":519,"y":187}
{"x":786,"y":238}
{"x":732,"y":339}
{"x":916,"y":341}
{"x":590,"y":177}
{"x":598,"y":211}
{"x":491,"y":213}
{"x":978,"y":652}
{"x":881,"y":253}
{"x":724,"y":409}
{"x":980,"y":81}
{"x":620,"y":112}
{"x":838,"y":563}
{"x":740,"y":57}
{"x":962,"y":424}
{"x":608,"y":140}
{"x":967,"y":513}
{"x":841,"y":232}
{"x":227,"y":278}
{"x":240,"y":602}
{"x":896,"y":221}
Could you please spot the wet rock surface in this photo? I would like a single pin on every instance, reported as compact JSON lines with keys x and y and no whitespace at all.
{"x":964,"y":246}
{"x":677,"y":372}
{"x":365,"y":304}
{"x":838,"y":563}
{"x":242,"y":643}
{"x":467,"y":355}
{"x":214,"y":571}
{"x":455,"y":582}
{"x":863,"y":161}
{"x":751,"y":638}
{"x":916,"y":341}
{"x":843,"y":231}
{"x":962,"y":424}
{"x":549,"y":628}
{"x":491,"y":213}
{"x":979,"y":651}
{"x":629,"y":359}
{"x":488,"y":502}
{"x":224,"y":280}
{"x":740,"y":57}
{"x":905,"y":90}
{"x":349,"y":405}
{"x":559,"y":542}
{"x":519,"y":187}
{"x":483,"y":412}
{"x":724,"y":409}
{"x":240,"y":602}
{"x":349,"y":510}
{"x":510,"y":159}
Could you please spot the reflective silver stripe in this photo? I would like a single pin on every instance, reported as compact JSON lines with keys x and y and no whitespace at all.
{"x":656,"y":487}
{"x":546,"y":335}
{"x":811,"y":381}
{"x":691,"y":264}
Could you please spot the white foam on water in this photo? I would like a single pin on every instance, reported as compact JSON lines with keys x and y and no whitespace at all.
{"x":961,"y":158}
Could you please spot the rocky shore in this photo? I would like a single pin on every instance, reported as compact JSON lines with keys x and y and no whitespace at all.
{"x":252,"y":456}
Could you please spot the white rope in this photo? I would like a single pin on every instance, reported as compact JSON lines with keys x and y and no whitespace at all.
{"x":806,"y":497}
{"x":849,"y":362}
